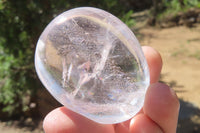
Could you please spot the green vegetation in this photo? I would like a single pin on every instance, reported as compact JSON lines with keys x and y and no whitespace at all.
{"x":127,"y":19}
{"x":172,"y":7}
{"x":181,"y":5}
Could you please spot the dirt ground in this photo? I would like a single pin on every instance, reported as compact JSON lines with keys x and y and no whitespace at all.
{"x":16,"y":127}
{"x":180,"y":50}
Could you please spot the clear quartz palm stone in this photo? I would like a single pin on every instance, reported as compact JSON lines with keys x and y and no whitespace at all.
{"x":92,"y":63}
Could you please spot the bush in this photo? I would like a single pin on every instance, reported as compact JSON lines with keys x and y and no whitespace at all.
{"x":21,"y":24}
{"x":172,"y":7}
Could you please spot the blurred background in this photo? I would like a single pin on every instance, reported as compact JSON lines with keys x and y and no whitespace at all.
{"x":170,"y":26}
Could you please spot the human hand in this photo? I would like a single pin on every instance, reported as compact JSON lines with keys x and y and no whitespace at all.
{"x":159,"y":113}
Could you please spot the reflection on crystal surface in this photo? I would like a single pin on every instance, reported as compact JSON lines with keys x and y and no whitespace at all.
{"x":93,"y":64}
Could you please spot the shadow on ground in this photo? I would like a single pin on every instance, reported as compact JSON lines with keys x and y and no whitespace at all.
{"x":189,"y":118}
{"x":189,"y":114}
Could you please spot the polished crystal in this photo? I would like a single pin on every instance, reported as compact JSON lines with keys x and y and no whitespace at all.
{"x":92,"y":63}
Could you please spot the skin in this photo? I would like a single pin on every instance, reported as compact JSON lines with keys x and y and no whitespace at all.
{"x":158,"y":115}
